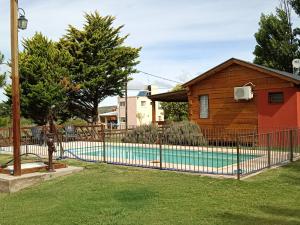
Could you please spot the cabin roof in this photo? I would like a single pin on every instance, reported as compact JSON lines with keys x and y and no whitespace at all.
{"x":273,"y":72}
{"x":172,"y":96}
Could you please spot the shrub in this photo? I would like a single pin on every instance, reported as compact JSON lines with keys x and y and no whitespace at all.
{"x":183,"y":133}
{"x":177,"y":133}
{"x":146,"y":134}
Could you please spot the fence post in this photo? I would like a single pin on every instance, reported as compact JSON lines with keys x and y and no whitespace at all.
{"x":238,"y":159}
{"x":269,"y":149}
{"x":10,"y":141}
{"x":160,"y":152}
{"x":26,"y":145}
{"x":291,"y":146}
{"x":60,"y":140}
{"x":104,"y":150}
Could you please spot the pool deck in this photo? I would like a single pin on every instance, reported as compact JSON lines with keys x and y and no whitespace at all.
{"x":11,"y":184}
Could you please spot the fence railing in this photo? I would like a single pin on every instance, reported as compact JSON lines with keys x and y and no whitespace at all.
{"x":232,"y":153}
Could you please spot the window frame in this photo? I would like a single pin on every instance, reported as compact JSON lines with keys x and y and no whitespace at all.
{"x":200,"y":106}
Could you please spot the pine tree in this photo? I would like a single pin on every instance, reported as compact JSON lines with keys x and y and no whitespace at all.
{"x":101,"y":63}
{"x":43,"y":78}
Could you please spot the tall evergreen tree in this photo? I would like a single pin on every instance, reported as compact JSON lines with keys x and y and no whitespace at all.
{"x":277,"y":43}
{"x":44,"y":78}
{"x":101,"y":63}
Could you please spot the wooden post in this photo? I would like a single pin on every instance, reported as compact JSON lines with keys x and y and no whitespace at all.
{"x":153,"y":113}
{"x":15,"y":86}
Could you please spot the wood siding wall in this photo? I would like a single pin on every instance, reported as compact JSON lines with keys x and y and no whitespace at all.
{"x":224,"y":111}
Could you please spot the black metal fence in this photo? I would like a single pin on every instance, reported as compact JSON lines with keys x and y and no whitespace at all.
{"x":230,"y":153}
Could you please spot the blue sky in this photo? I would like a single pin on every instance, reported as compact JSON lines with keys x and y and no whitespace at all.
{"x":180,"y":39}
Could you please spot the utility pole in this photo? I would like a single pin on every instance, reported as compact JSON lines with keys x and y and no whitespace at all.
{"x":15,"y":86}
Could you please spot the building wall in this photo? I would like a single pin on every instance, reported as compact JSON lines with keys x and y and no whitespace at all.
{"x":280,"y":115}
{"x":131,"y":110}
{"x":139,"y":111}
{"x":224,"y":111}
{"x":144,"y":111}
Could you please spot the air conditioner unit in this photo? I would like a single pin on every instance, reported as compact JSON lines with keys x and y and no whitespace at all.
{"x":243,"y":93}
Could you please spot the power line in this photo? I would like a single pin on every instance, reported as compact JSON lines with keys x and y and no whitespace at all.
{"x":141,"y":89}
{"x":163,"y":78}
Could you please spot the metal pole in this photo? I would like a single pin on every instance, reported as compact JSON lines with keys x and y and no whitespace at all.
{"x":126,"y":105}
{"x":160,"y":153}
{"x":15,"y":86}
{"x":269,"y":149}
{"x":238,"y":159}
{"x":291,"y":146}
{"x":104,"y":148}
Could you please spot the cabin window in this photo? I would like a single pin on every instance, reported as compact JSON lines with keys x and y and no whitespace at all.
{"x":122,"y":104}
{"x":203,"y":99}
{"x":143,"y":103}
{"x":275,"y":97}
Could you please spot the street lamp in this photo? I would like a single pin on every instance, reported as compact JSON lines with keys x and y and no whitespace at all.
{"x":22,"y":21}
{"x":16,"y":23}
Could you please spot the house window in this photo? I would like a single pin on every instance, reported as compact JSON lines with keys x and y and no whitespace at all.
{"x":143,"y":103}
{"x":275,"y":97}
{"x":203,"y":99}
{"x":123,"y":119}
{"x":122,"y":104}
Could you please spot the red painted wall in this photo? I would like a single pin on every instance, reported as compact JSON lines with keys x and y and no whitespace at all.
{"x":283,"y":115}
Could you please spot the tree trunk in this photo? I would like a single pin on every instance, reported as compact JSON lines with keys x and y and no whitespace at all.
{"x":95,"y":113}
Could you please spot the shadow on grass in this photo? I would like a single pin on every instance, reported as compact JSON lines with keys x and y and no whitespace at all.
{"x":283,"y":212}
{"x":245,"y":219}
{"x":137,"y":197}
{"x":272,"y":216}
{"x":294,"y":166}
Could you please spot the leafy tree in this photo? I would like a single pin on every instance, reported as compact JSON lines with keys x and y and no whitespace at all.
{"x":101,"y":63}
{"x":44,"y":78}
{"x":175,"y":111}
{"x":277,"y":43}
{"x":2,"y":75}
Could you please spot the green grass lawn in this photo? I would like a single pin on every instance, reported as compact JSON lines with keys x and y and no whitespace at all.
{"x":107,"y":194}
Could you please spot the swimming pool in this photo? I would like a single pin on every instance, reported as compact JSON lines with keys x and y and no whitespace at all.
{"x":139,"y":154}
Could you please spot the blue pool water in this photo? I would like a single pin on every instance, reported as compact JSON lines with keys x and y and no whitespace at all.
{"x":137,"y":154}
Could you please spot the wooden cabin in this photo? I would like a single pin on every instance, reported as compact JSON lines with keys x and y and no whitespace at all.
{"x":213,"y":101}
